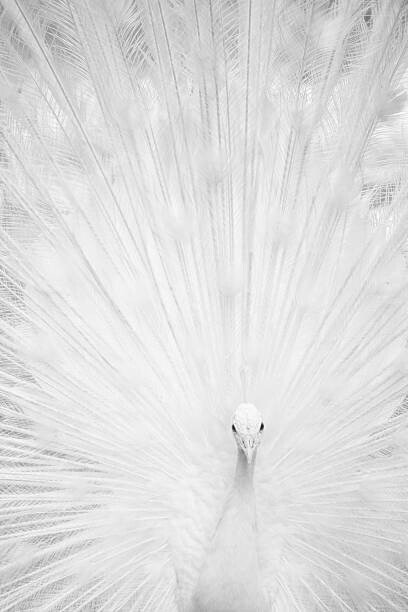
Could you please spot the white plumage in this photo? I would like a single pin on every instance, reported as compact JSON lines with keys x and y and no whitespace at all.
{"x":203,"y":203}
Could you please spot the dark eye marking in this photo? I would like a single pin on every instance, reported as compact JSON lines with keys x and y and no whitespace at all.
{"x":262,"y":427}
{"x":234,"y":428}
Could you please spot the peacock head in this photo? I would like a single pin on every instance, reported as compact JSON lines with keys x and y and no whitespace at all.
{"x":247,"y":427}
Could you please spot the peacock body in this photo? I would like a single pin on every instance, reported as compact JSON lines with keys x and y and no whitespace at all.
{"x":203,"y":205}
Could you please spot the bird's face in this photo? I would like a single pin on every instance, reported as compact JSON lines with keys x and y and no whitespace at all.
{"x":247,"y":427}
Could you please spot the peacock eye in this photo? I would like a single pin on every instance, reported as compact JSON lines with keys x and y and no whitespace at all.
{"x":234,"y":428}
{"x":261,"y":427}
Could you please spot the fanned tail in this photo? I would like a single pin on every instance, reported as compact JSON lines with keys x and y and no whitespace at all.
{"x":202,"y":202}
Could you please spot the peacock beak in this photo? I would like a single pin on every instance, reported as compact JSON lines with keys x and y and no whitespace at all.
{"x":249,"y":446}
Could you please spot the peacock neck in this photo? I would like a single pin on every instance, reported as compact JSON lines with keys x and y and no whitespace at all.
{"x":242,"y":495}
{"x":244,"y":474}
{"x":229,"y":580}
